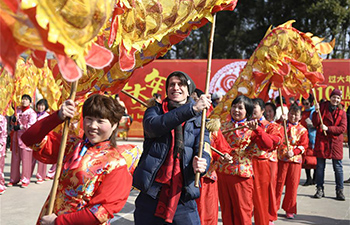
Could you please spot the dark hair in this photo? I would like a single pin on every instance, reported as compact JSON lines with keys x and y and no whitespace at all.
{"x":156,"y":95}
{"x":182,"y":78}
{"x":198,"y":92}
{"x":273,"y":106}
{"x":27,"y":96}
{"x":310,"y":98}
{"x":106,"y":108}
{"x":185,"y":80}
{"x":248,"y":104}
{"x":260,"y":102}
{"x":278,"y":101}
{"x":42,"y":102}
{"x":295,"y":108}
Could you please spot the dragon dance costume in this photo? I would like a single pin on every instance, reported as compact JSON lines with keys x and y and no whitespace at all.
{"x":289,"y":169}
{"x":95,"y":181}
{"x":208,"y":201}
{"x":235,"y":180}
{"x":263,"y":175}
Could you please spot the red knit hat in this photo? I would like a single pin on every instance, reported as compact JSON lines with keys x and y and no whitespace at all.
{"x":336,"y":92}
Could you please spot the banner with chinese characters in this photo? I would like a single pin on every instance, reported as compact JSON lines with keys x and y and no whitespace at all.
{"x":151,"y":79}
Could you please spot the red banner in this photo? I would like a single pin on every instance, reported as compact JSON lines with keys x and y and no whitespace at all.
{"x":151,"y":79}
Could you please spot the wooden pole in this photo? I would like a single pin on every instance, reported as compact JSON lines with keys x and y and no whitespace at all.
{"x":319,"y":113}
{"x":217,"y":151}
{"x":284,"y":121}
{"x":133,"y":97}
{"x":233,"y":129}
{"x":61,"y":154}
{"x":204,"y":113}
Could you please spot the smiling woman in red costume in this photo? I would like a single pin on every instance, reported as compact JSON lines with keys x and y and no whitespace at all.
{"x":95,"y":182}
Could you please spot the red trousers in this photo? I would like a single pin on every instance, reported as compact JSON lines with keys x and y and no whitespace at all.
{"x":289,"y":175}
{"x":262,"y":178}
{"x":236,"y":199}
{"x":272,"y":189}
{"x":208,"y":202}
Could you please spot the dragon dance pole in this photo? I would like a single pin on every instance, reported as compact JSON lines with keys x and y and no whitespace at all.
{"x":217,"y":151}
{"x":284,"y":121}
{"x":133,"y":97}
{"x":207,"y":81}
{"x":53,"y":191}
{"x":144,"y":104}
{"x":319,"y":113}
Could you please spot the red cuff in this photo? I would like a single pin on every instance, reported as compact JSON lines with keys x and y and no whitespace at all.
{"x":36,"y":133}
{"x":258,"y":130}
{"x":81,"y":217}
{"x":262,"y":139}
{"x":219,"y":142}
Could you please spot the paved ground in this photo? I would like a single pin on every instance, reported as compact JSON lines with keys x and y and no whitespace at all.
{"x":21,"y":206}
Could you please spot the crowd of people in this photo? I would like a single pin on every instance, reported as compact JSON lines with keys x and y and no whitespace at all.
{"x":259,"y":150}
{"x":22,"y":161}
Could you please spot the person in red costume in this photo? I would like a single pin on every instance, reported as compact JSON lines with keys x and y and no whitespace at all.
{"x":208,"y":201}
{"x":263,"y":196}
{"x":235,"y":179}
{"x":289,"y":162}
{"x":94,"y":182}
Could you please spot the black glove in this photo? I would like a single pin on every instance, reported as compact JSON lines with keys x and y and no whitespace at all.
{"x":16,"y":128}
{"x":14,"y":119}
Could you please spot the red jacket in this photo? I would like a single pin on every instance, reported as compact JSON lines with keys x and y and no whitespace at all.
{"x":330,"y":146}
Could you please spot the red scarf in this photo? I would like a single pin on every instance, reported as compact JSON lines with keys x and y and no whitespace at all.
{"x":170,"y":176}
{"x":25,"y":108}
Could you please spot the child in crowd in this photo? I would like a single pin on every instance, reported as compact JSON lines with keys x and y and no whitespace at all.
{"x":95,"y":182}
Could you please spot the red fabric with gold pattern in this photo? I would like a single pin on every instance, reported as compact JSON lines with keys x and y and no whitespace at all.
{"x":242,"y":142}
{"x":89,"y":174}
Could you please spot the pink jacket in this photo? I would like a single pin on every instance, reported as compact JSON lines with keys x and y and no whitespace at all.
{"x":3,"y":134}
{"x":26,"y":119}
